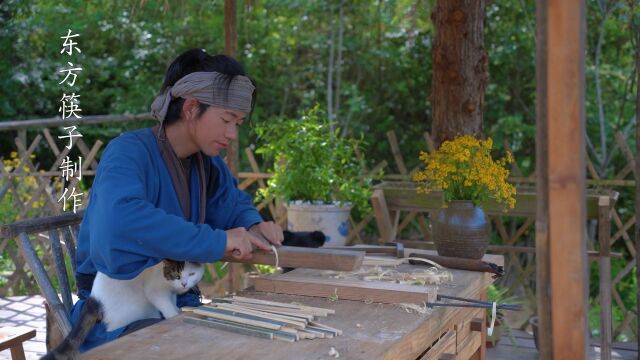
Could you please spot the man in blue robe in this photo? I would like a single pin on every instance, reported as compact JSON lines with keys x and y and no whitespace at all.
{"x":164,"y":193}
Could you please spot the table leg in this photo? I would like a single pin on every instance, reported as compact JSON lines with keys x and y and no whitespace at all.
{"x":481,"y":353}
{"x":17,"y":352}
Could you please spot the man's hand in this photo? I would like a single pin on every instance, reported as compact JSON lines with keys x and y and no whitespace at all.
{"x":270,"y":231}
{"x":240,"y":243}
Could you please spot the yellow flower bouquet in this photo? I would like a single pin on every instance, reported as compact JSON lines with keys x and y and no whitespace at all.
{"x":464,"y":170}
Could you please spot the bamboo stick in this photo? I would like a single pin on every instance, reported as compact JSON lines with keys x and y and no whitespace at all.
{"x":274,"y":310}
{"x":221,"y":316}
{"x":229,"y":327}
{"x":277,"y":334}
{"x":266,"y":302}
{"x":293,"y":316}
{"x":262,"y":318}
{"x":317,"y":324}
{"x":297,"y":323}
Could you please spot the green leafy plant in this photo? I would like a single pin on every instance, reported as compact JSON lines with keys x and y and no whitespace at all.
{"x":499,"y":295}
{"x":312,"y":163}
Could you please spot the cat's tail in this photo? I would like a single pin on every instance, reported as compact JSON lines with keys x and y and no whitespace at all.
{"x":90,"y":315}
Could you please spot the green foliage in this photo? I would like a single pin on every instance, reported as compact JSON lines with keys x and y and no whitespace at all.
{"x":312,"y":163}
{"x":285,"y":46}
{"x":627,"y":289}
{"x":499,"y":295}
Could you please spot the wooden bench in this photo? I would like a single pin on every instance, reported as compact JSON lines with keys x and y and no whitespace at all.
{"x":389,"y":199}
{"x":12,"y":338}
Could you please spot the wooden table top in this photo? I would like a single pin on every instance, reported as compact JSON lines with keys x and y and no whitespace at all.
{"x":370,"y":331}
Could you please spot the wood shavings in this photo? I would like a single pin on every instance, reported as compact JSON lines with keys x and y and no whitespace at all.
{"x":415,"y":308}
{"x":334,"y":353}
{"x":421,"y":277}
{"x":385,"y":261}
{"x":368,"y":301}
{"x":334,"y":296}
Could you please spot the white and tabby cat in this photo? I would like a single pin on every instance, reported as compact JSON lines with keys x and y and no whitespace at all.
{"x":147,"y":295}
{"x":121,"y":302}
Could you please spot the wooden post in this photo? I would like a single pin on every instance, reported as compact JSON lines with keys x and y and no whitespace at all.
{"x":22,"y":135}
{"x":561,"y":207}
{"x":604,"y":236}
{"x":637,"y":178}
{"x":233,"y":156}
{"x":230,"y":48}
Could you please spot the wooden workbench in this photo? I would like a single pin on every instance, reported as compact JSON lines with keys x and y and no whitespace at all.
{"x":371,"y":331}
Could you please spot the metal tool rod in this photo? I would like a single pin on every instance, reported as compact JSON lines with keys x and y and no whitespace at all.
{"x":483,"y":306}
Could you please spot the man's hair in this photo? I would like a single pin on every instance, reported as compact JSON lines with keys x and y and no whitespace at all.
{"x":196,"y":60}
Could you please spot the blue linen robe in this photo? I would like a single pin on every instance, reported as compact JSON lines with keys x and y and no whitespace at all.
{"x":134,"y":220}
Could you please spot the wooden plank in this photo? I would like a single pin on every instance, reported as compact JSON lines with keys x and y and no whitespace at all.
{"x":482,"y":352}
{"x":10,"y":336}
{"x":17,"y":352}
{"x":40,"y":224}
{"x":565,"y":179}
{"x":395,"y":151}
{"x":374,"y":291}
{"x":57,"y":121}
{"x":604,"y":233}
{"x":542,"y":186}
{"x":446,"y":344}
{"x":255,"y":168}
{"x":403,"y":196}
{"x":431,"y":147}
{"x":52,"y":143}
{"x":637,"y":184}
{"x":381,"y":211}
{"x":469,"y":347}
{"x":421,"y":244}
{"x":463,"y":329}
{"x":298,"y":257}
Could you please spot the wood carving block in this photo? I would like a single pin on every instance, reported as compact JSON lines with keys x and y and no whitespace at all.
{"x":374,"y":291}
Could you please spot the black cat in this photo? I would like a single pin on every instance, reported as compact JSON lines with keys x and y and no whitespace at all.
{"x":309,"y":239}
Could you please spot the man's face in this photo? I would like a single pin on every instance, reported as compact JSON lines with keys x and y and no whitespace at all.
{"x":216,"y":128}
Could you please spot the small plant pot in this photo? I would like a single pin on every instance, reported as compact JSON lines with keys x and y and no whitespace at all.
{"x":331,"y":219}
{"x":498,"y":330}
{"x":461,"y":230}
{"x":534,"y":326}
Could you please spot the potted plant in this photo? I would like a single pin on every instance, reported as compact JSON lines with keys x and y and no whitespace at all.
{"x":316,"y":172}
{"x":500,"y":327}
{"x":464,"y":170}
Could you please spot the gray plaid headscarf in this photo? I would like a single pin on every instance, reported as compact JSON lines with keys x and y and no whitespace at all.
{"x":208,"y":88}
